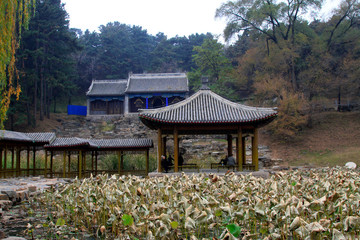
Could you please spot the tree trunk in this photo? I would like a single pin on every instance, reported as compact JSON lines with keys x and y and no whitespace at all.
{"x":54,"y":104}
{"x":41,"y":95}
{"x":28,"y":114}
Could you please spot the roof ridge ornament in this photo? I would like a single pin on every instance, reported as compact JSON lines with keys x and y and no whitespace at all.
{"x":204,"y":83}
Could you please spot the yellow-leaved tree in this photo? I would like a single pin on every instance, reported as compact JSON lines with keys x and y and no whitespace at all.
{"x":14,"y":17}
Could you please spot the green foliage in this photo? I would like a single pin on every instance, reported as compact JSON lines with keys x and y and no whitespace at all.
{"x":128,"y":220}
{"x":234,"y":229}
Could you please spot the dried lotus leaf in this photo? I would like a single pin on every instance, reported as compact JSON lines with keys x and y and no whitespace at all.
{"x":190,"y":223}
{"x":296,"y":223}
{"x":337,"y":235}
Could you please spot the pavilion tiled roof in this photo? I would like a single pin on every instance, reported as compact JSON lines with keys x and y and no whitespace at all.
{"x":45,"y":137}
{"x":100,"y":143}
{"x":157,"y":82}
{"x":107,"y":87}
{"x":6,"y":135}
{"x":42,"y":137}
{"x":206,"y":107}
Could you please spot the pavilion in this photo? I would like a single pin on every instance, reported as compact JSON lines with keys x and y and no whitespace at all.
{"x":206,"y":113}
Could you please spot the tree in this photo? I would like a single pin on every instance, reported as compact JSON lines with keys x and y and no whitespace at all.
{"x":14,"y":16}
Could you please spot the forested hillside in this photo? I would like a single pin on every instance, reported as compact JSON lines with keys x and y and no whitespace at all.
{"x":277,"y":57}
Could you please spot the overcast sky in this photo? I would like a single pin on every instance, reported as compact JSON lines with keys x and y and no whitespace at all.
{"x":172,"y":17}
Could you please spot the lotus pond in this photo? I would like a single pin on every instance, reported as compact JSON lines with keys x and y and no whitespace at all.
{"x":313,"y":204}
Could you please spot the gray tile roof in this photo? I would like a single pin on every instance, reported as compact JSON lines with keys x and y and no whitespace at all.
{"x":207,"y":107}
{"x":6,"y":135}
{"x":42,"y":137}
{"x":100,"y":143}
{"x":158,"y":82}
{"x":107,"y":87}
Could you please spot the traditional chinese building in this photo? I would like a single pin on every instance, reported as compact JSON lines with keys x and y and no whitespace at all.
{"x":139,"y":91}
{"x":206,"y":113}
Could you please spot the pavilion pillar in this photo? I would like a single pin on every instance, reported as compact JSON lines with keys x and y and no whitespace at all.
{"x":147,"y":162}
{"x":46,"y":163}
{"x":239,"y":150}
{"x":34,"y":160}
{"x":12,"y":161}
{"x":80,"y":157}
{"x":96,"y":162}
{"x":164,"y":146}
{"x":119,"y":162}
{"x":92,"y":162}
{"x":84,"y":162}
{"x":51,"y":163}
{"x":159,"y":150}
{"x":1,"y":162}
{"x":28,"y":161}
{"x":122,"y":161}
{"x":5,"y":161}
{"x":18,"y":151}
{"x":243,"y":150}
{"x":64,"y":164}
{"x":69,"y":164}
{"x":254,"y":149}
{"x":176,"y":150}
{"x":230,"y":141}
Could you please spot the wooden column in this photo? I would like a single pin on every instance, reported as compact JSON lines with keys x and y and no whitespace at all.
{"x":1,"y":162}
{"x":80,"y":164}
{"x":243,"y":151}
{"x":34,"y":160}
{"x":28,"y":161}
{"x":69,"y":164}
{"x":64,"y":164}
{"x":5,"y":161}
{"x":119,"y":162}
{"x":84,"y":162}
{"x":92,"y":162}
{"x":159,"y":150}
{"x":12,"y":161}
{"x":17,"y":165}
{"x":46,"y":163}
{"x":176,"y":150}
{"x":229,"y":148}
{"x":147,"y":162}
{"x":164,"y":146}
{"x":51,"y":163}
{"x":239,"y":150}
{"x":122,"y":161}
{"x":254,"y":149}
{"x":96,"y":162}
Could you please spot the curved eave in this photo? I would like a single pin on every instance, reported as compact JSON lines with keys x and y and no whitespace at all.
{"x":154,"y":123}
{"x":68,"y":146}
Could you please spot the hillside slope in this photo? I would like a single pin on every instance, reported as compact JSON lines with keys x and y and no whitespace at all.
{"x":333,"y":140}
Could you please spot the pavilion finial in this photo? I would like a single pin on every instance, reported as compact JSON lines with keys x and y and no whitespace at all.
{"x":204,"y":83}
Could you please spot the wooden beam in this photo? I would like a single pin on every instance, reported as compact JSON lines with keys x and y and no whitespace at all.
{"x":147,"y":162}
{"x":159,"y":150}
{"x":229,"y":148}
{"x":239,"y":150}
{"x":176,"y":150}
{"x":254,"y":149}
{"x":64,"y":164}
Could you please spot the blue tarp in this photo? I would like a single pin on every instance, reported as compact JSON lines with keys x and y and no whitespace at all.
{"x":77,"y":110}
